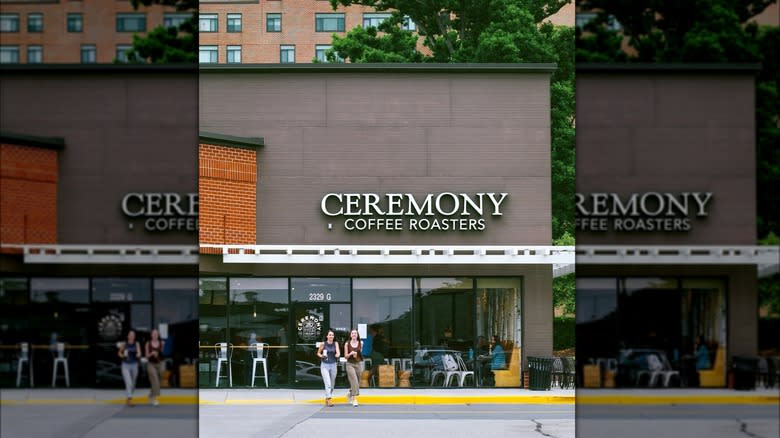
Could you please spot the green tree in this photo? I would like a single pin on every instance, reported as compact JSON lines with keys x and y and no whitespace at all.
{"x":564,"y":290}
{"x":482,"y":31}
{"x":164,"y":45}
{"x":701,"y":31}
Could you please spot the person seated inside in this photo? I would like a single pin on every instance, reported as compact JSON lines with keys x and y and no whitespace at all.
{"x":702,"y":354}
{"x":497,"y":361}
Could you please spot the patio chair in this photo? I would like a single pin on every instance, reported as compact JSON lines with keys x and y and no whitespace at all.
{"x":463,"y":372}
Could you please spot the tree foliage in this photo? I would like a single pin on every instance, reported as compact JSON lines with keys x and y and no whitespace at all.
{"x":482,"y":31}
{"x":701,"y":31}
{"x":164,"y":45}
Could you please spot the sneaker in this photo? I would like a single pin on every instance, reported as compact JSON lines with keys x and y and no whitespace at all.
{"x":156,"y":402}
{"x":354,"y":402}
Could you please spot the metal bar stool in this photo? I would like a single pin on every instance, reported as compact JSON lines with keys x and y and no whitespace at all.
{"x":24,"y":358}
{"x":224,"y":356}
{"x":60,"y":358}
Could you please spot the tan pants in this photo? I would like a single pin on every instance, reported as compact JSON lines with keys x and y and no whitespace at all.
{"x":155,"y":373}
{"x":354,"y":370}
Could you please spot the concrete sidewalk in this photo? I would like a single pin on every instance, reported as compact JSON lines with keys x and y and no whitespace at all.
{"x":406,"y":396}
{"x":86,"y":396}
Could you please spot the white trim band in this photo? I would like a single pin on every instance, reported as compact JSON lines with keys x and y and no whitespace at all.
{"x":110,"y":254}
{"x":395,"y":254}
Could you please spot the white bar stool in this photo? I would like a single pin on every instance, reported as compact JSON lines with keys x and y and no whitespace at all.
{"x":24,"y":358}
{"x":224,"y":356}
{"x":60,"y":358}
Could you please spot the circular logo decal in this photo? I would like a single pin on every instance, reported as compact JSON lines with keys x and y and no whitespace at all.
{"x":309,"y":328}
{"x":110,"y":328}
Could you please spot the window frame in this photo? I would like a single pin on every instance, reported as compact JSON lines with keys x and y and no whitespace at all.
{"x":13,"y":18}
{"x":84,"y":49}
{"x":209,"y":49}
{"x":68,"y":22}
{"x":275,"y":15}
{"x":175,"y":16}
{"x":211,"y":18}
{"x":10,"y":48}
{"x":286,"y":48}
{"x":134,"y":15}
{"x":372,"y":16}
{"x":228,"y":50}
{"x":34,"y":15}
{"x":39,"y":50}
{"x":319,"y":22}
{"x":232,"y":16}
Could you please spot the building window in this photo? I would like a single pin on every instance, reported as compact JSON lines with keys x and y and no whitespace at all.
{"x":75,"y":23}
{"x":287,"y":54}
{"x":88,"y":54}
{"x":121,"y":52}
{"x":234,"y":54}
{"x":583,"y":18}
{"x":329,"y":22}
{"x":320,"y":53}
{"x":175,"y":20}
{"x":35,"y":22}
{"x":374,"y":20}
{"x":409,"y":24}
{"x":207,"y":23}
{"x":9,"y":22}
{"x":273,"y":22}
{"x":207,"y":55}
{"x":130,"y":22}
{"x":234,"y":22}
{"x":34,"y":54}
{"x":9,"y":54}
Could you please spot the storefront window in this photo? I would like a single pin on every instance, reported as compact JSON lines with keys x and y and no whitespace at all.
{"x":60,"y":313}
{"x":499,"y":331}
{"x":622,"y":324}
{"x":444,"y":325}
{"x":212,"y":312}
{"x":258,"y":313}
{"x":14,"y":296}
{"x":384,"y":306}
{"x":597,"y":317}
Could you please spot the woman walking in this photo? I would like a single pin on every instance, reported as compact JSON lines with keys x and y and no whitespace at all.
{"x":329,"y":353}
{"x":353,"y":352}
{"x":153,"y":350}
{"x":131,"y":355}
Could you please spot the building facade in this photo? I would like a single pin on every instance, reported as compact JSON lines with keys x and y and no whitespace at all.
{"x":75,"y":32}
{"x":288,"y":31}
{"x":98,"y":218}
{"x":418,"y":213}
{"x":666,"y":226}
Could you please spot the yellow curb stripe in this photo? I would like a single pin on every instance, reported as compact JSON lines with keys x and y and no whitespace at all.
{"x":411,"y":400}
{"x":689,"y":399}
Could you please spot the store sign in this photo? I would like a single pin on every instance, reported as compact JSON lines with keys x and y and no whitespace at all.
{"x":647,"y":212}
{"x":309,"y":328}
{"x":404,"y":211}
{"x":162,"y":211}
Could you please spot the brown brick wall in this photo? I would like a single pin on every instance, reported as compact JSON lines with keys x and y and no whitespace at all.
{"x":259,"y":46}
{"x":227,"y":199}
{"x":28,"y":195}
{"x":99,"y":28}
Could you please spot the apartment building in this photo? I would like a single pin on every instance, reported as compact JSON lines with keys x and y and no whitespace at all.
{"x":286,"y":31}
{"x":75,"y":31}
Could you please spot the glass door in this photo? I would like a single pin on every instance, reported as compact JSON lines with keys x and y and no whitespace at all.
{"x":318,"y":304}
{"x":310,"y":325}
